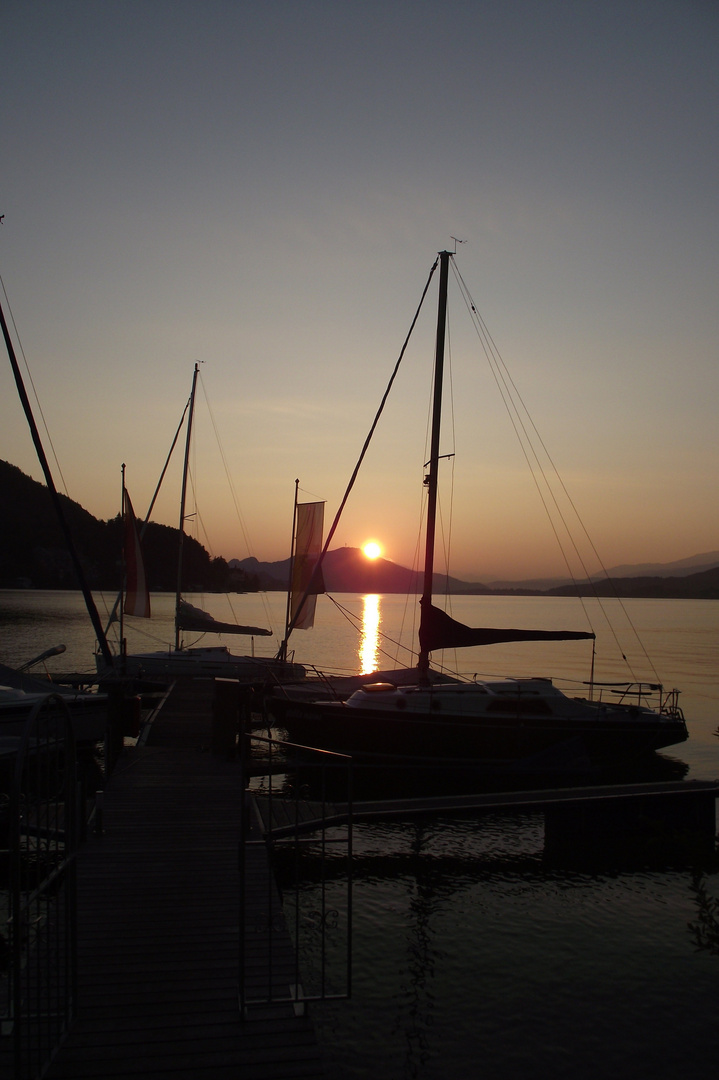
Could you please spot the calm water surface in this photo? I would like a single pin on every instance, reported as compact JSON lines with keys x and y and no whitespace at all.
{"x":675,"y":642}
{"x":478,"y":952}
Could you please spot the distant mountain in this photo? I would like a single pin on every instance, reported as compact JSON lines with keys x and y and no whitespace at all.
{"x":527,"y":585}
{"x":701,"y":586}
{"x":695,"y":564}
{"x":347,"y":569}
{"x":33,"y":555}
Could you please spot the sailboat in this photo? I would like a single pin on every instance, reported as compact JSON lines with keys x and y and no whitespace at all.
{"x":179,"y":660}
{"x":496,"y":722}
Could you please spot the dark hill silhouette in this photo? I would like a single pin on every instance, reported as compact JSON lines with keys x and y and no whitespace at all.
{"x":701,"y":586}
{"x":33,"y":552}
{"x":347,"y":569}
{"x":32,"y":545}
{"x":695,"y":564}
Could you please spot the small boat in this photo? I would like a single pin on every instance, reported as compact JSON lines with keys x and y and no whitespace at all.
{"x":210,"y":662}
{"x":417,"y":720}
{"x":213,"y":661}
{"x":21,"y":692}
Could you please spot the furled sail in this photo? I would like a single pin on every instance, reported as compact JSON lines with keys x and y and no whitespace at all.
{"x":438,"y":630}
{"x":194,"y":619}
{"x":308,"y":545}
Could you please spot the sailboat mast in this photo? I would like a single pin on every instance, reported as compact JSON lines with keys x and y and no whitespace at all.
{"x":183,"y":496}
{"x":89,"y":602}
{"x":123,"y":576}
{"x":432,"y":476}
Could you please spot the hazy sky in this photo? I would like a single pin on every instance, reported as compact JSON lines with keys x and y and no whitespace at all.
{"x":263,"y":186}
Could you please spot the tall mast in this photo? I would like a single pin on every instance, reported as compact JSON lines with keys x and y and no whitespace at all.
{"x":123,"y":575}
{"x":432,"y":476}
{"x":185,"y":470}
{"x":89,"y":602}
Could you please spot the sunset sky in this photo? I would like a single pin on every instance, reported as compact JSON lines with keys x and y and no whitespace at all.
{"x":264,"y":186}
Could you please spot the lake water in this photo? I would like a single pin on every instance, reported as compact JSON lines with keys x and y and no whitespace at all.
{"x":477,"y":952}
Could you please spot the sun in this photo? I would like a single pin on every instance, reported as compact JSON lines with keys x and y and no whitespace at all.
{"x":372,"y":549}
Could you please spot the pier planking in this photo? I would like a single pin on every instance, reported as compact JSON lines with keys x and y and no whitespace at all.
{"x":158,"y":922}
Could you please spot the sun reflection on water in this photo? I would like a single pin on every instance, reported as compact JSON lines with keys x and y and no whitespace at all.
{"x":369,"y":641}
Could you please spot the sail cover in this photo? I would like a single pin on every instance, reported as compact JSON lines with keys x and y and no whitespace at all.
{"x":194,"y":619}
{"x":137,"y":594}
{"x":305,"y":583}
{"x":438,"y":630}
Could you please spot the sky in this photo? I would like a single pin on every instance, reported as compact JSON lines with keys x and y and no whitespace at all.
{"x":262,"y":188}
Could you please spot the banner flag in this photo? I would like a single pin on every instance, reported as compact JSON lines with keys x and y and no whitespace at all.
{"x":308,"y":546}
{"x":137,"y":594}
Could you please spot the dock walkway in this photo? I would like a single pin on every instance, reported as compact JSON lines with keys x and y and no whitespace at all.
{"x":158,"y":922}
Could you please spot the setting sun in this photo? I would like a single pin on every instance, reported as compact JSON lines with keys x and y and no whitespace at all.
{"x":372,"y":549}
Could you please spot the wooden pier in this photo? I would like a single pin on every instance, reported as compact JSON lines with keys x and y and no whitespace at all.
{"x":158,"y":919}
{"x":159,"y":904}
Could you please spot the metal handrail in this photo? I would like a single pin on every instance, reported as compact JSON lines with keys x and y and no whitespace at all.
{"x":285,"y":985}
{"x":43,"y":837}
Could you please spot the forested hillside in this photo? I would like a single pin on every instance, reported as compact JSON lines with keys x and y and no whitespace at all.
{"x":33,"y":552}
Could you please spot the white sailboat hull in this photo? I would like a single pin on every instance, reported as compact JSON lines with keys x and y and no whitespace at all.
{"x":213,"y":662}
{"x":492,"y":723}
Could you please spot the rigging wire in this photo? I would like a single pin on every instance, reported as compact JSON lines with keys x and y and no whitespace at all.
{"x":446,"y":528}
{"x":355,"y":621}
{"x":50,"y":484}
{"x":416,"y":562}
{"x":143,"y":529}
{"x":195,"y":516}
{"x":445,"y":525}
{"x":517,"y":412}
{"x":409,"y":616}
{"x":235,"y":501}
{"x":32,"y":384}
{"x":365,"y":447}
{"x":233,"y":490}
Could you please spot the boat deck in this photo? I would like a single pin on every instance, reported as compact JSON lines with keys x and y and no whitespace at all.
{"x":158,"y":922}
